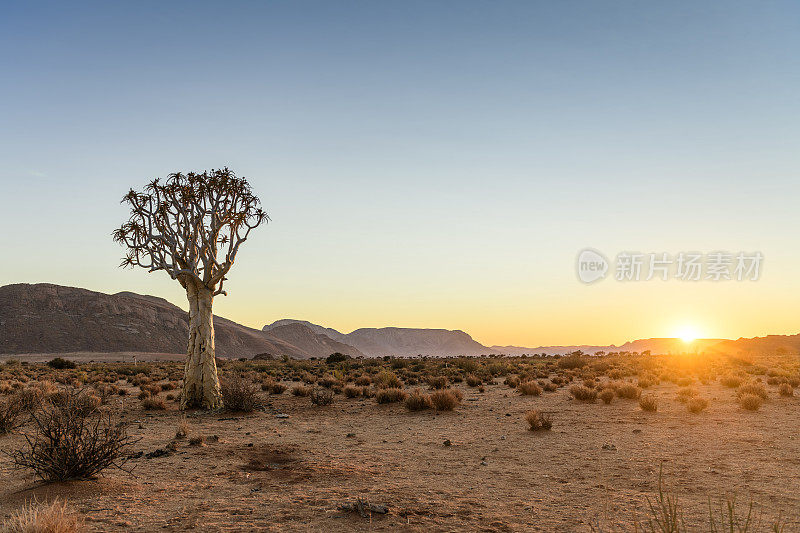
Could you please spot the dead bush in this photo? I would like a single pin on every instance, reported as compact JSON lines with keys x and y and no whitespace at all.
{"x":239,"y":394}
{"x":629,"y":391}
{"x":685,"y":394}
{"x":301,"y":390}
{"x":154,"y":404}
{"x":71,"y":444}
{"x":538,"y":421}
{"x":512,"y":381}
{"x":583,"y":394}
{"x":351,"y":391}
{"x":696,"y":404}
{"x":607,"y":395}
{"x":437,"y":382}
{"x":387,"y":380}
{"x":785,"y":390}
{"x":321,"y":396}
{"x":529,"y":388}
{"x":37,"y":517}
{"x":751,"y":402}
{"x":473,"y":380}
{"x":648,"y":403}
{"x":731,"y":381}
{"x":392,"y":395}
{"x":753,"y":388}
{"x":418,"y":401}
{"x":11,"y":410}
{"x":446,"y":399}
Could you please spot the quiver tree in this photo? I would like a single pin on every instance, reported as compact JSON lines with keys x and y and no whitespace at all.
{"x":191,"y":226}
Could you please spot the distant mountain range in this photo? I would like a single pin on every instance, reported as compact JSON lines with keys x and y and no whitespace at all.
{"x":46,"y":318}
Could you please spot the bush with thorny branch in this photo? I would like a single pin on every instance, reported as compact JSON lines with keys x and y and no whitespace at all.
{"x":71,"y":442}
{"x":191,"y":226}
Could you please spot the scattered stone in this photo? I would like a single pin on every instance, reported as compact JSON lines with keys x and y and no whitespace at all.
{"x":447,"y":442}
{"x":637,"y":430}
{"x":212,"y":438}
{"x":484,"y":463}
{"x":281,"y":415}
{"x":502,"y":437}
{"x":365,"y":509}
{"x":351,"y":435}
{"x":160,"y":452}
{"x":609,"y":447}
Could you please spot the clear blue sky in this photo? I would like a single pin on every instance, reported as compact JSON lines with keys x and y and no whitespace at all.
{"x":433,"y":164}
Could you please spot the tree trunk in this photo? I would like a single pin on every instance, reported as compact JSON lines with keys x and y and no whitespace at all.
{"x":200,"y":381}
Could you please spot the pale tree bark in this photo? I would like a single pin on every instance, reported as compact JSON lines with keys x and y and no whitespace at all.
{"x":201,"y":384}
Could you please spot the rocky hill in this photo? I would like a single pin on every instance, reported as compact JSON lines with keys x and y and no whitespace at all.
{"x":45,"y":318}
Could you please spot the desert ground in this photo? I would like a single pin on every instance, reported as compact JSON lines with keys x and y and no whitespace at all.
{"x":289,"y":464}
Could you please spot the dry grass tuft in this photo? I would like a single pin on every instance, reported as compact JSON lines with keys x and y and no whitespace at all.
{"x":751,"y":402}
{"x":321,"y":396}
{"x":154,"y":404}
{"x":538,"y":421}
{"x":606,"y":395}
{"x":629,"y":391}
{"x":785,"y":390}
{"x":446,"y":399}
{"x":418,"y":401}
{"x":34,"y":517}
{"x":392,"y":395}
{"x":583,"y":394}
{"x":529,"y":388}
{"x":301,"y":390}
{"x":239,"y":394}
{"x":11,"y":409}
{"x":649,"y":403}
{"x":696,"y":404}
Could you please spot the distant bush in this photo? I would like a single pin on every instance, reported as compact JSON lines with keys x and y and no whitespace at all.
{"x":785,"y":390}
{"x":648,"y":403}
{"x":607,"y":395}
{"x":239,"y":394}
{"x":301,"y":390}
{"x":629,"y":391}
{"x":437,"y":382}
{"x":11,"y":409}
{"x":445,"y":399}
{"x":538,"y":421}
{"x":351,"y":391}
{"x":583,"y":394}
{"x":321,"y":396}
{"x":154,"y":404}
{"x":387,"y":379}
{"x":751,"y":402}
{"x":572,"y":362}
{"x":61,"y":364}
{"x":336,"y":358}
{"x":417,"y":400}
{"x":731,"y":381}
{"x":512,"y":381}
{"x":392,"y":395}
{"x":473,"y":380}
{"x":696,"y":404}
{"x":754,"y":388}
{"x":529,"y":388}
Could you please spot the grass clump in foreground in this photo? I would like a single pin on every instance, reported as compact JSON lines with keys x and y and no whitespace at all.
{"x":239,"y":394}
{"x":35,"y":517}
{"x":583,"y":393}
{"x":648,"y":403}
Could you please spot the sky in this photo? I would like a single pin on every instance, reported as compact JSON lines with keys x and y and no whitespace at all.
{"x":425,"y":164}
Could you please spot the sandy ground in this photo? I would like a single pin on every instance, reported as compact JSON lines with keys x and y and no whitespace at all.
{"x":596,"y":466}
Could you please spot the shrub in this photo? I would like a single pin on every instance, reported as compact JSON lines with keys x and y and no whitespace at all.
{"x":387,"y":380}
{"x":529,"y":388}
{"x":550,"y":386}
{"x":648,"y":403}
{"x":336,"y":358}
{"x":363,"y":381}
{"x":321,"y":396}
{"x":154,"y":404}
{"x":538,"y":420}
{"x":34,"y":517}
{"x":751,"y":402}
{"x":696,"y":404}
{"x":61,"y":364}
{"x":239,"y":394}
{"x":607,"y":395}
{"x":352,"y":391}
{"x":785,"y":390}
{"x":392,"y":395}
{"x":583,"y":394}
{"x":571,"y":362}
{"x":473,"y":380}
{"x":512,"y":381}
{"x":754,"y":388}
{"x":301,"y":390}
{"x":629,"y":391}
{"x":277,"y":388}
{"x":438,"y":382}
{"x":418,"y":400}
{"x":70,"y":444}
{"x":11,"y":409}
{"x":731,"y":381}
{"x":196,"y":440}
{"x":685,"y":394}
{"x":445,"y":399}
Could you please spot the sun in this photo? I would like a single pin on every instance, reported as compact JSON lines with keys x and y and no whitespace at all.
{"x":687,"y":334}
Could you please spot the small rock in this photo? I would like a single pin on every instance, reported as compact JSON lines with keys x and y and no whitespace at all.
{"x":350,"y":435}
{"x":609,"y":447}
{"x":447,"y":442}
{"x":484,"y":463}
{"x":502,"y":437}
{"x":637,"y":430}
{"x":281,"y":415}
